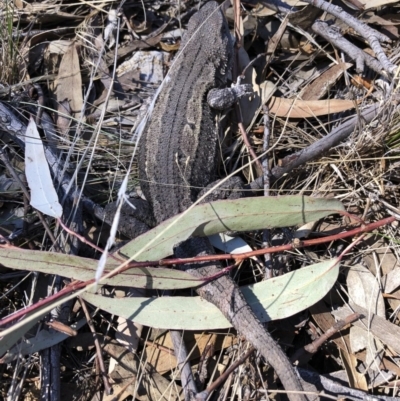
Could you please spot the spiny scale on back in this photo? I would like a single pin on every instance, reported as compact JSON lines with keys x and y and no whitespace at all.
{"x":169,"y":161}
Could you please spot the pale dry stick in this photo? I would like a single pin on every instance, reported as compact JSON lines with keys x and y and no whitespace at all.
{"x":265,"y":159}
{"x":391,"y":209}
{"x":183,"y":364}
{"x":14,"y":88}
{"x":332,"y":35}
{"x":338,"y":389}
{"x":313,"y":394}
{"x":15,"y":389}
{"x":371,"y":35}
{"x":358,"y":54}
{"x":25,"y":223}
{"x":238,"y":35}
{"x":62,"y":328}
{"x":318,"y":148}
{"x":128,"y":26}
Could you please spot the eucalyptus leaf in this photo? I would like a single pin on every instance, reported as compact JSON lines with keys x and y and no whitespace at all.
{"x":228,"y":244}
{"x":43,"y":339}
{"x":272,"y":299}
{"x":77,"y":268}
{"x":208,"y":219}
{"x":244,"y":214}
{"x":7,"y":341}
{"x":43,"y":194}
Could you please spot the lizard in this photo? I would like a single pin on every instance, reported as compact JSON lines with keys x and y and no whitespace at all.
{"x":177,"y":157}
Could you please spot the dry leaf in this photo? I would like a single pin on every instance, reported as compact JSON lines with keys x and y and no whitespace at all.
{"x":364,"y":290}
{"x":144,"y":67}
{"x":361,"y":82}
{"x":393,"y":280}
{"x":376,"y":3}
{"x":380,"y":256}
{"x":63,"y":118}
{"x":69,"y":81}
{"x":350,"y":362}
{"x":305,"y":17}
{"x":43,"y":194}
{"x":320,"y":86}
{"x":297,"y":108}
{"x":164,"y":361}
{"x":170,"y":47}
{"x":385,"y":331}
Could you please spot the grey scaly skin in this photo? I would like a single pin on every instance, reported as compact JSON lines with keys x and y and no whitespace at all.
{"x":178,"y":153}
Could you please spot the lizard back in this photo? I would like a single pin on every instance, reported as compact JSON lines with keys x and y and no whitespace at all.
{"x":178,"y":149}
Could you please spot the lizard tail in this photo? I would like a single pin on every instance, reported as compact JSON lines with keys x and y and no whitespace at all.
{"x":226,"y":295}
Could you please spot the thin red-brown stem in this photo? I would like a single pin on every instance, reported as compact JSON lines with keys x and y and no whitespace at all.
{"x":248,"y":145}
{"x":84,"y":240}
{"x":76,"y":285}
{"x":273,"y":249}
{"x":304,"y":354}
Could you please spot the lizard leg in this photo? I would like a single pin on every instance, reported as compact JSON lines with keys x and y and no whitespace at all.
{"x":232,"y":188}
{"x":221,"y":99}
{"x":133,"y":221}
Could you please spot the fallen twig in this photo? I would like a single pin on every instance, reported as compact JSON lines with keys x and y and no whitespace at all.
{"x":318,"y":148}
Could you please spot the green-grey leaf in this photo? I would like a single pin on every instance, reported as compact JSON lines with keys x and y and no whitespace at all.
{"x":229,"y":215}
{"x":272,"y":299}
{"x":237,"y":215}
{"x":83,"y":269}
{"x":43,"y":339}
{"x":7,"y":341}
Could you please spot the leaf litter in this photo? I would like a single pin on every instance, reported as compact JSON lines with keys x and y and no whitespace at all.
{"x":59,"y":64}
